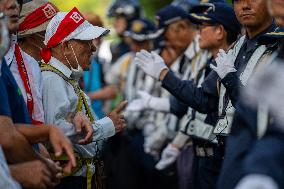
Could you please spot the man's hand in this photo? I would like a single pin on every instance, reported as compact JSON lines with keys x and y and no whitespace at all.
{"x":34,"y":175}
{"x":60,"y":143}
{"x":43,"y":151}
{"x":225,"y":63}
{"x":151,"y":63}
{"x":117,"y":118}
{"x":83,"y":124}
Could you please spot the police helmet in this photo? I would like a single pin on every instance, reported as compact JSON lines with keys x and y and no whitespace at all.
{"x":128,"y":8}
{"x":186,"y":5}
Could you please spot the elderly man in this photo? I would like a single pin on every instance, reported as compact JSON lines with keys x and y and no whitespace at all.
{"x":62,"y":97}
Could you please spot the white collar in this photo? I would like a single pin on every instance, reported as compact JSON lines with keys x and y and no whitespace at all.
{"x":11,"y":52}
{"x":60,"y":66}
{"x":10,"y":55}
{"x":193,"y":48}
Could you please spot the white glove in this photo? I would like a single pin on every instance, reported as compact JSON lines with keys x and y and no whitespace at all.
{"x":169,"y":156}
{"x":180,"y":140}
{"x":154,"y":142}
{"x":148,"y":129}
{"x":147,"y":101}
{"x":140,"y":103}
{"x":151,"y":63}
{"x":256,"y":181}
{"x":225,"y":63}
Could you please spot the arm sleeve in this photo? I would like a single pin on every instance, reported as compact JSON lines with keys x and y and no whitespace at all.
{"x":267,"y":160}
{"x":103,"y":128}
{"x":6,"y":181}
{"x":232,"y":84}
{"x":177,"y":107}
{"x":196,"y":97}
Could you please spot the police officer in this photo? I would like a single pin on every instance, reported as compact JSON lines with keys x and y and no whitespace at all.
{"x":247,"y":53}
{"x":123,"y":12}
{"x":226,"y":32}
{"x":255,"y":148}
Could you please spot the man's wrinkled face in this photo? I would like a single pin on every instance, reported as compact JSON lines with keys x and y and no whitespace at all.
{"x":276,"y":9}
{"x":82,"y":50}
{"x":251,"y":13}
{"x":11,"y":9}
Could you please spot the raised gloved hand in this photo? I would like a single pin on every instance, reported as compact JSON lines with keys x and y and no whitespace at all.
{"x":147,"y":101}
{"x":169,"y":156}
{"x":151,"y":63}
{"x":225,"y":63}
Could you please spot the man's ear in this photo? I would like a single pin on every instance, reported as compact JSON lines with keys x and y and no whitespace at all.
{"x":220,"y":32}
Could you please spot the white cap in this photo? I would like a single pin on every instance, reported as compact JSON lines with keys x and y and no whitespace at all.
{"x":85,"y":31}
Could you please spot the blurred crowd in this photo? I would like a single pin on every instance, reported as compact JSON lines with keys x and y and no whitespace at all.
{"x":191,"y":100}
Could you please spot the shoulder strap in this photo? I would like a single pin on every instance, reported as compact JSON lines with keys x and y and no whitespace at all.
{"x":81,"y":96}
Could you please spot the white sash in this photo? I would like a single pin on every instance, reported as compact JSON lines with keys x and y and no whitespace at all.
{"x":223,"y":126}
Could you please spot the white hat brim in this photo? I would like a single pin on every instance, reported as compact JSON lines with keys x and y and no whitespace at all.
{"x":91,"y":32}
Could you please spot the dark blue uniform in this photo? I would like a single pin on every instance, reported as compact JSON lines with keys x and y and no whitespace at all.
{"x":205,"y":169}
{"x":205,"y":99}
{"x":245,"y":154}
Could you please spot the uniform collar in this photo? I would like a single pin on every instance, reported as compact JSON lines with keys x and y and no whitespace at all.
{"x":193,"y":48}
{"x":60,"y":66}
{"x":253,"y":42}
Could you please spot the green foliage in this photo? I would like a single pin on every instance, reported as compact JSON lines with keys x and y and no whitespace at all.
{"x":151,"y":6}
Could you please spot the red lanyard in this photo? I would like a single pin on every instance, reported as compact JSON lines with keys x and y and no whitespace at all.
{"x":25,"y":78}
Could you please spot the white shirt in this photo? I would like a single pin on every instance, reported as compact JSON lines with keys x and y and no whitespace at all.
{"x":60,"y":99}
{"x":6,"y":181}
{"x":35,"y":79}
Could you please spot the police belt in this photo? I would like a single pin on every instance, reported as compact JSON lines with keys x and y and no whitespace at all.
{"x":204,"y":152}
{"x":198,"y":129}
{"x":223,"y":126}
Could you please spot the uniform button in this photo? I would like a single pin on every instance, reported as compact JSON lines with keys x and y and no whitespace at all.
{"x":244,"y":57}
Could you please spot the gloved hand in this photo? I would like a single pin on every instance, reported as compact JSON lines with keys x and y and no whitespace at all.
{"x":148,"y":129}
{"x":147,"y":101}
{"x":257,"y":181}
{"x":151,"y":63}
{"x":225,"y":63}
{"x":140,"y":103}
{"x":154,"y":142}
{"x":169,"y":156}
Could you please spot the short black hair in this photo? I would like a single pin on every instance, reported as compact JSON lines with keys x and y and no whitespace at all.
{"x":20,"y":2}
{"x":231,"y":36}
